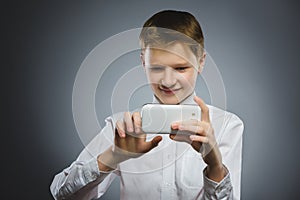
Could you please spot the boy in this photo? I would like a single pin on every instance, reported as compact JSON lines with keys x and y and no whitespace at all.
{"x":204,"y":164}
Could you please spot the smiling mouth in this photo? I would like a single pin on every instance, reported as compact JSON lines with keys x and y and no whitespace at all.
{"x":169,"y":91}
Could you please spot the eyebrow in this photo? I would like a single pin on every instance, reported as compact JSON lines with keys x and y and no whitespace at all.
{"x":175,"y":65}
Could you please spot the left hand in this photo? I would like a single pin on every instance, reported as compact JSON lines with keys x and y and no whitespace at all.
{"x":201,"y":137}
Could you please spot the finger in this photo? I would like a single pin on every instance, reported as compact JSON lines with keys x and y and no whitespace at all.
{"x":174,"y":125}
{"x":204,"y":109}
{"x":120,"y":128}
{"x":153,"y":143}
{"x":196,"y":145}
{"x":137,"y":122}
{"x":180,"y":138}
{"x":192,"y":129}
{"x":119,"y":141}
{"x":194,"y":122}
{"x":199,"y":138}
{"x":156,"y":140}
{"x":128,"y":122}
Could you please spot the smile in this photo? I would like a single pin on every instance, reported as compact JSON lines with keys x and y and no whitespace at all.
{"x":169,"y":91}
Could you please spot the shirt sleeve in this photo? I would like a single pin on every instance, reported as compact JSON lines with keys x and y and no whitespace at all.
{"x":82,"y":179}
{"x":217,"y":190}
{"x":231,"y":150}
{"x":230,"y":146}
{"x":79,"y":181}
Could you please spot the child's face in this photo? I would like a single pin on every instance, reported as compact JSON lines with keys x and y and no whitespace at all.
{"x":171,"y":72}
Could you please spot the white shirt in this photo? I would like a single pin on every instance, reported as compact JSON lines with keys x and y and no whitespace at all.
{"x":172,"y":170}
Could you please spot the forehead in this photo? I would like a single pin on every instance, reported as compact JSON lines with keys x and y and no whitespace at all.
{"x":177,"y":53}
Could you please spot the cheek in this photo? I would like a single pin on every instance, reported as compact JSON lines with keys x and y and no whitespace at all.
{"x":189,"y":79}
{"x":153,"y":78}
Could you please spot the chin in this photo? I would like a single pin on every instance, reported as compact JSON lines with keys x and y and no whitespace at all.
{"x":169,"y":100}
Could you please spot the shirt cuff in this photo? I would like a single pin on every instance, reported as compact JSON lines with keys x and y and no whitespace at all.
{"x":91,"y":171}
{"x":217,"y":189}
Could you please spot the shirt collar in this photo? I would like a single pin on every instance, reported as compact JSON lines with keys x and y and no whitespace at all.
{"x":188,"y":100}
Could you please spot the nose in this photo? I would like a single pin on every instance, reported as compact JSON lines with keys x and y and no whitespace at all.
{"x":169,"y":78}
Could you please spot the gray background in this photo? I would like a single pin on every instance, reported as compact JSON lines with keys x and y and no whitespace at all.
{"x":254,"y":43}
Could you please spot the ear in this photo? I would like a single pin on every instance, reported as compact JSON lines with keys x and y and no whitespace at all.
{"x":142,"y":58}
{"x":202,"y":62}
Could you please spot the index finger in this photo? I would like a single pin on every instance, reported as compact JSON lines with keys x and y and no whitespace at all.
{"x":204,"y":109}
{"x":137,"y":122}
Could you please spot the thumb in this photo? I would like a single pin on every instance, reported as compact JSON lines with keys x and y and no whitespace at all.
{"x":180,"y":138}
{"x":154,"y":142}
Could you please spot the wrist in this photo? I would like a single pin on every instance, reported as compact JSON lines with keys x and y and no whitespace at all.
{"x":216,"y":172}
{"x":109,"y":159}
{"x":215,"y":169}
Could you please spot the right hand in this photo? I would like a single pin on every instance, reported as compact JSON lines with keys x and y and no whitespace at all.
{"x":130,"y":140}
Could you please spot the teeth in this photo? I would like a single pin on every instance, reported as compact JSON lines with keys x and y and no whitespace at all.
{"x":168,"y":90}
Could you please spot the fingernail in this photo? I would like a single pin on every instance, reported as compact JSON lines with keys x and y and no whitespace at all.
{"x":137,"y":130}
{"x":192,"y":137}
{"x":122,"y":134}
{"x":130,"y":129}
{"x":174,"y":125}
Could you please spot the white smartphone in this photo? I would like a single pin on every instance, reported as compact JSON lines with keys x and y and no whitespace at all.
{"x":157,"y":118}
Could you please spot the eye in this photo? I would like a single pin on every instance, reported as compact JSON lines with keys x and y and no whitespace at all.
{"x":181,"y":69}
{"x":156,"y":68}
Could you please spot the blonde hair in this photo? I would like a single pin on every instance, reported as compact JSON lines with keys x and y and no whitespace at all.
{"x":169,"y":26}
